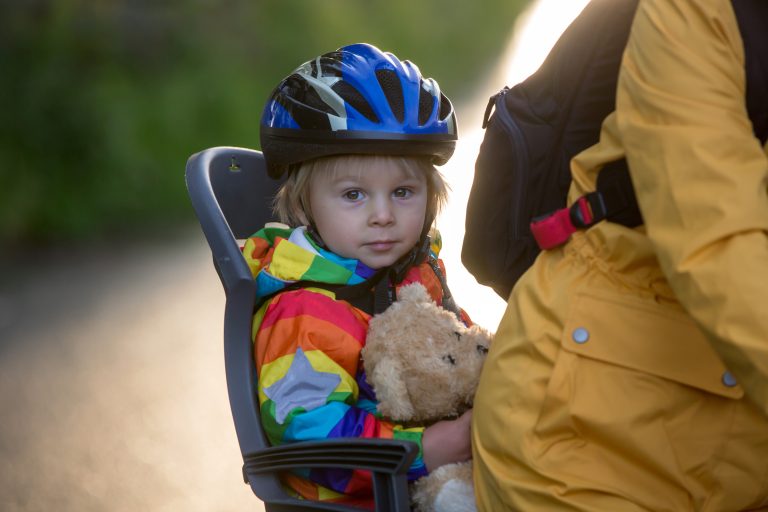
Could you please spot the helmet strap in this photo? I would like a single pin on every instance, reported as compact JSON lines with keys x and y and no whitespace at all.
{"x":315,"y":236}
{"x":416,"y":255}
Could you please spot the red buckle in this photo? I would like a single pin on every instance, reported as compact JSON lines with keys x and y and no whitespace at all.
{"x":556,"y":228}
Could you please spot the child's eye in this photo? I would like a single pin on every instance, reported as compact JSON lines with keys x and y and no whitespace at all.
{"x":402,"y":193}
{"x":353,"y":195}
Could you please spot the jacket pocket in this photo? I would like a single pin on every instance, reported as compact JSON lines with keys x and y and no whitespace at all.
{"x":649,"y":338}
{"x":637,"y":404}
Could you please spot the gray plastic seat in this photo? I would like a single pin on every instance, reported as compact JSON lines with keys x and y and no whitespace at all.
{"x":231,"y":195}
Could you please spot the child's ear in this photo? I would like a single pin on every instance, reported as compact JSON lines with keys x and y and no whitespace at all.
{"x":300,"y":213}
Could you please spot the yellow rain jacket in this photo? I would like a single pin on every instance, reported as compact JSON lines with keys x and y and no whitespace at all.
{"x":630,"y":370}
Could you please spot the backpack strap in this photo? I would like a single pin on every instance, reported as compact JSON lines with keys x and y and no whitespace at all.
{"x":371,"y":296}
{"x":752,"y":17}
{"x":615,"y":200}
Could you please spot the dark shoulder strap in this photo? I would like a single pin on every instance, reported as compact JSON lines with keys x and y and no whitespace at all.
{"x":364,"y":296}
{"x":752,"y":16}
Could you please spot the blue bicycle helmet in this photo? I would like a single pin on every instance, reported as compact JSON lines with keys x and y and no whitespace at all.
{"x":357,"y":99}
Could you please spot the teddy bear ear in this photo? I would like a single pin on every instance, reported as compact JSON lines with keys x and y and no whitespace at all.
{"x":391,"y":392}
{"x":414,"y":292}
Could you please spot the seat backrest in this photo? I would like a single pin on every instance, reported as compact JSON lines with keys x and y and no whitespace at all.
{"x":232,"y":197}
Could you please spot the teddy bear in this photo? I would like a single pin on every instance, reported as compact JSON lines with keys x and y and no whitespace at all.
{"x":424,"y":365}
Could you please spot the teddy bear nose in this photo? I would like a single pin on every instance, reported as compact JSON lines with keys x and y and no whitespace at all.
{"x":449,"y":359}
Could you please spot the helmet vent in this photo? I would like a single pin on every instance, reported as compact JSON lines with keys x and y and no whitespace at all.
{"x":352,"y":96}
{"x":426,"y":101}
{"x":393,"y":90}
{"x":303,"y":92}
{"x":445,"y":108}
{"x":329,"y":64}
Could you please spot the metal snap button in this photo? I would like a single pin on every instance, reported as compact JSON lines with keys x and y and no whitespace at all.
{"x":729,"y":380}
{"x":580,"y":335}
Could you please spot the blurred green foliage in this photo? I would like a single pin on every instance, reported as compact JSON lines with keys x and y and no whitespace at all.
{"x":102,"y":101}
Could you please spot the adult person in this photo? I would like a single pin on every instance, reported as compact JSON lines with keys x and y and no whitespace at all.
{"x":630,"y":370}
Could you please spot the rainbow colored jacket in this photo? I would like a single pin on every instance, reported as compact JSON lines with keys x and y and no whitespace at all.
{"x":307,"y":347}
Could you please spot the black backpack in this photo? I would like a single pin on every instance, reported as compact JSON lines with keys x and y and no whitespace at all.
{"x":533,"y":130}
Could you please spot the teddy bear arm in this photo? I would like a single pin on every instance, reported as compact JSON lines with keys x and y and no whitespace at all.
{"x":391,"y":391}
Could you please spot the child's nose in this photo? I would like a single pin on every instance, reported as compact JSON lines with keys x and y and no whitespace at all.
{"x":382,"y":213}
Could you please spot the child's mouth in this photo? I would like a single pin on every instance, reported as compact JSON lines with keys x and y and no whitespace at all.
{"x":381,"y":245}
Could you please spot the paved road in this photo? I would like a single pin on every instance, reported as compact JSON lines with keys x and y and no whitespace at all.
{"x":112,"y":384}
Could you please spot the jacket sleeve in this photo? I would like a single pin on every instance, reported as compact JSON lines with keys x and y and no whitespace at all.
{"x":700,"y":174}
{"x":310,"y":384}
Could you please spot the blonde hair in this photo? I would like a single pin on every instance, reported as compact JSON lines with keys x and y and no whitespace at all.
{"x":292,"y":203}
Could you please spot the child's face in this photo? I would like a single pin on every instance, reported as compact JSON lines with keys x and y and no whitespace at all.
{"x":375,"y":214}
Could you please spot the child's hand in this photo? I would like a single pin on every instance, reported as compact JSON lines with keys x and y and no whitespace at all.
{"x":447,"y":441}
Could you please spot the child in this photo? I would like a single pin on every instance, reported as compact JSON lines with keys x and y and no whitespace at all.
{"x":357,"y":132}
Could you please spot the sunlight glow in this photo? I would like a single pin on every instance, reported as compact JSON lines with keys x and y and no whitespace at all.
{"x":536,"y":32}
{"x":534,"y":35}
